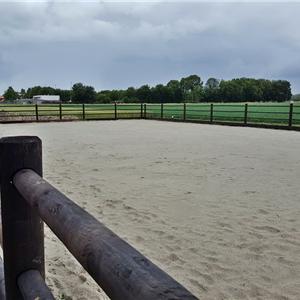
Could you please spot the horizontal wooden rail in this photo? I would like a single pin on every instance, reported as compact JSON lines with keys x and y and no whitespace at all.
{"x":33,"y":286}
{"x":120,"y":270}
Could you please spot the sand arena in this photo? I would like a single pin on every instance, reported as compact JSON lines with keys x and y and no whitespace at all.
{"x":216,"y":207}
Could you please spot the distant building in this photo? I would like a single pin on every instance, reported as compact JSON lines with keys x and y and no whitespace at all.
{"x":46,"y":99}
{"x":2,"y":98}
{"x":23,"y":101}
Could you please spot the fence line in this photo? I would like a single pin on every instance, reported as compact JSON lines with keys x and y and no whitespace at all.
{"x":274,"y":116}
{"x":27,"y":200}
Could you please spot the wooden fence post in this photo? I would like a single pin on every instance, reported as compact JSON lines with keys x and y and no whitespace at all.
{"x":246,"y":114}
{"x":291,"y":115}
{"x":83,"y":111}
{"x":162,"y":111}
{"x":184,"y":111}
{"x":23,"y":231}
{"x":211,"y":112}
{"x":116,"y":111}
{"x":141,"y":110}
{"x":145,"y":111}
{"x":60,"y":111}
{"x":36,"y":112}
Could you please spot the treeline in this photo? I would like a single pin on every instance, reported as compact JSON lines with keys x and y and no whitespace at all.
{"x":296,"y":97}
{"x":187,"y":89}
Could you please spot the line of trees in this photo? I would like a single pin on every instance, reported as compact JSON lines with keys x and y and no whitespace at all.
{"x":296,"y":97}
{"x":187,"y":89}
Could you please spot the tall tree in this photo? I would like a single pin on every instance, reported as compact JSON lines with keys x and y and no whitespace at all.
{"x":192,"y":87}
{"x":176,"y":91}
{"x":10,"y":94}
{"x":212,"y":83}
{"x":144,"y":93}
{"x":161,"y":94}
{"x":83,"y":93}
{"x":231,"y":91}
{"x":281,"y":90}
{"x":22,"y":93}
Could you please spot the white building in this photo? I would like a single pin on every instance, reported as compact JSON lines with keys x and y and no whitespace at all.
{"x":43,"y":99}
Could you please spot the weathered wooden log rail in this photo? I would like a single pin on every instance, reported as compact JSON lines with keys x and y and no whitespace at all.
{"x":27,"y":200}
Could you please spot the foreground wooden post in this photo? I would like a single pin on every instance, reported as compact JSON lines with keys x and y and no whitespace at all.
{"x":246,"y":114}
{"x":141,"y":110}
{"x":184,"y":111}
{"x":23,"y":232}
{"x":145,"y":111}
{"x":162,"y":111}
{"x":291,"y":115}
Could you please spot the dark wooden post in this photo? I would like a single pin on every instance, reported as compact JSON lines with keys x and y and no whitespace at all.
{"x":23,"y":231}
{"x":291,"y":115}
{"x":246,"y":114}
{"x":211,"y":112}
{"x":116,"y":111}
{"x":145,"y":111}
{"x":83,"y":111}
{"x":36,"y":112}
{"x":184,"y":111}
{"x":162,"y":111}
{"x":60,"y":111}
{"x":141,"y":110}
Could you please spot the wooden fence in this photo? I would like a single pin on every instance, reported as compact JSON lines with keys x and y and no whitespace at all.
{"x":283,"y":116}
{"x":27,"y":200}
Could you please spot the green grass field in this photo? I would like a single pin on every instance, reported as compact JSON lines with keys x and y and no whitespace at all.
{"x":259,"y":113}
{"x":271,"y":113}
{"x":69,"y":111}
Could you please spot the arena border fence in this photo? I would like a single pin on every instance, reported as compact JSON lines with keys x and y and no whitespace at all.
{"x":279,"y":116}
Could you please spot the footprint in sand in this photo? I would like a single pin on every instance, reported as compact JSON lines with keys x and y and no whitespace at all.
{"x":193,"y":250}
{"x":284,"y":261}
{"x":267,"y":228}
{"x":206,"y":277}
{"x":197,"y":284}
{"x":250,"y":192}
{"x":263,"y":212}
{"x":173,"y":257}
{"x":82,"y":278}
{"x":95,"y":188}
{"x":139,"y":239}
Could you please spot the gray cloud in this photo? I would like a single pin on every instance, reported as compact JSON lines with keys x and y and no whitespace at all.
{"x":116,"y":45}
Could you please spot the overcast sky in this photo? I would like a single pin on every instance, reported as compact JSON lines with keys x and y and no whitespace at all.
{"x":116,"y":45}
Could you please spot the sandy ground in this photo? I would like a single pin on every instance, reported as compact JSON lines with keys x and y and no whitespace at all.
{"x":216,"y":207}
